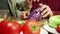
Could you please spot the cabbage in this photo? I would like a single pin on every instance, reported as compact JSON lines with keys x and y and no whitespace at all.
{"x":35,"y":14}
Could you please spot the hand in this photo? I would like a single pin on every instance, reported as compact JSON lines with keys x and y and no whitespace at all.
{"x":36,"y":0}
{"x":25,"y":14}
{"x":46,"y":10}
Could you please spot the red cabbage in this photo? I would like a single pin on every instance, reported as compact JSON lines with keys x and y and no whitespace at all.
{"x":35,"y":14}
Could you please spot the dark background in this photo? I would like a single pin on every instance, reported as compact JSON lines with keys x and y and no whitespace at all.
{"x":3,"y":4}
{"x":53,"y":4}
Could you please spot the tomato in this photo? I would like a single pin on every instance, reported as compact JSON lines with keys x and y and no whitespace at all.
{"x":31,"y":27}
{"x":9,"y":27}
{"x":58,"y":29}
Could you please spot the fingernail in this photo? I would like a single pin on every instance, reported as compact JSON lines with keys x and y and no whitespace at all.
{"x":40,"y":4}
{"x":41,"y":14}
{"x":37,"y":0}
{"x":34,"y":0}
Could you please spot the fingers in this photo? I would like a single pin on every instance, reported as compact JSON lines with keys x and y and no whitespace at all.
{"x":46,"y":11}
{"x":36,"y":0}
{"x":26,"y":14}
{"x":42,"y":6}
{"x":51,"y":13}
{"x":46,"y":15}
{"x":29,"y":1}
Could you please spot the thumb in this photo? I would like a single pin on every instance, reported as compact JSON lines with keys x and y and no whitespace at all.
{"x":40,"y":4}
{"x":34,"y":0}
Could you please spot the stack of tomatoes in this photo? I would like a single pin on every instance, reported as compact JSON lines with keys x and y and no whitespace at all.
{"x":12,"y":27}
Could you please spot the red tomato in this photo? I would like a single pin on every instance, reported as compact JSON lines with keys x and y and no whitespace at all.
{"x":31,"y":27}
{"x":9,"y":27}
{"x":58,"y":29}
